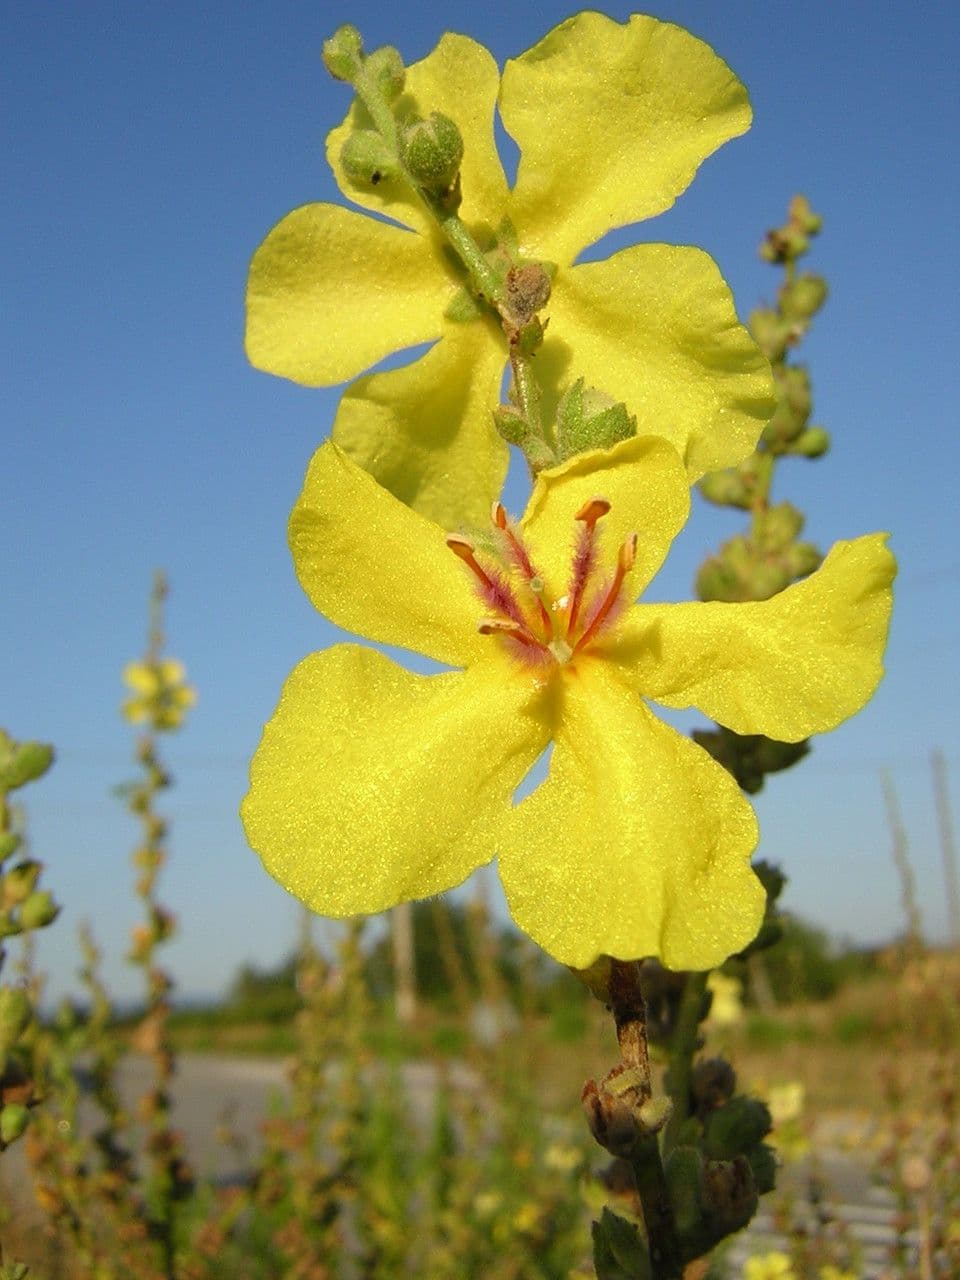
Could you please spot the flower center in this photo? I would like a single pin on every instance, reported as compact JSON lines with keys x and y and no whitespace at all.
{"x":521,"y":612}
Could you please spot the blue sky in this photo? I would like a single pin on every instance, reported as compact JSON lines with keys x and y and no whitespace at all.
{"x":148,"y":150}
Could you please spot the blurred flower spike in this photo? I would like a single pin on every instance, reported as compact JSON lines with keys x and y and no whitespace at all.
{"x":612,"y":121}
{"x":373,"y":784}
{"x":161,"y":695}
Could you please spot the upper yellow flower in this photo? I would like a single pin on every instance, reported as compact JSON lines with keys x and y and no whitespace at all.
{"x":372,"y":784}
{"x":161,"y":694}
{"x":612,"y":121}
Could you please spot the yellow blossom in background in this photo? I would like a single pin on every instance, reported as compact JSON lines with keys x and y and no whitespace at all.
{"x":830,"y":1272}
{"x":373,"y":785}
{"x":786,"y":1104}
{"x":726,"y":1008}
{"x":769,"y":1266}
{"x":161,"y":695}
{"x":612,"y":120}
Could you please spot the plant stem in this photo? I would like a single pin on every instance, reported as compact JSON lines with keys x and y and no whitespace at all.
{"x":683,"y":1044}
{"x":630,"y":1015}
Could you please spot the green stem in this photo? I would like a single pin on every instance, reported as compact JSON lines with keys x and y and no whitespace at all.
{"x":683,"y":1045}
{"x":482,"y":276}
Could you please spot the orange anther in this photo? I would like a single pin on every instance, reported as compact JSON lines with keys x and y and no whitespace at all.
{"x":499,"y":515}
{"x":464,"y":548}
{"x":592,"y":510}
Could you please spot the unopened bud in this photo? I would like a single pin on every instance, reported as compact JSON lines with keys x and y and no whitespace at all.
{"x":763,"y":1163}
{"x":432,"y":151}
{"x":14,"y":1119}
{"x":19,"y":882}
{"x":15,"y":1015}
{"x":367,"y":159}
{"x":802,"y":559}
{"x":812,"y":443}
{"x":730,"y":488}
{"x":729,"y":1194}
{"x":9,"y":844}
{"x":342,"y":53}
{"x":385,"y":67}
{"x":590,"y":419}
{"x":804,"y":217}
{"x":735,"y":1127}
{"x":38,"y":910}
{"x":779,"y":526}
{"x":802,"y":297}
{"x":527,"y":290}
{"x":683,"y":1171}
{"x":22,"y":762}
{"x":712,"y":1083}
{"x":771,"y":333}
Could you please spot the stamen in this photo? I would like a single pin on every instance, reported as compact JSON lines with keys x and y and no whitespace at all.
{"x":585,"y":556}
{"x":464,"y":548}
{"x":626,"y":559}
{"x":521,"y":558}
{"x":500,"y":627}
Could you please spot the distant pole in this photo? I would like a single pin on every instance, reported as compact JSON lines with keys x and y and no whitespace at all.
{"x":947,"y":847}
{"x":901,"y":858}
{"x":404,"y":962}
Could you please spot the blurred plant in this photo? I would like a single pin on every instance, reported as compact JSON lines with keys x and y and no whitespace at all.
{"x":24,"y":907}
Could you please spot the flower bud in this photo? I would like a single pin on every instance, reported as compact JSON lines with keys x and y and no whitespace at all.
{"x":736,"y":1127}
{"x":729,"y":1194}
{"x":527,"y":290}
{"x":728,"y":488}
{"x":803,"y":216}
{"x":15,"y":1015}
{"x":763,"y":1162}
{"x":19,"y":882}
{"x":9,"y":844}
{"x":712,"y":1083}
{"x":779,"y":526}
{"x":367,"y":159}
{"x":343,"y":52}
{"x":802,"y":559}
{"x":38,"y":910}
{"x":683,"y":1171}
{"x":432,"y":151}
{"x":812,"y":443}
{"x":589,"y":419}
{"x":771,"y":333}
{"x":802,"y":297}
{"x":22,"y":762}
{"x":385,"y":68}
{"x":14,"y":1119}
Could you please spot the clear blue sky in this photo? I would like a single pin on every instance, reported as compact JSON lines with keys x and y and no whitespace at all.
{"x":148,"y":149}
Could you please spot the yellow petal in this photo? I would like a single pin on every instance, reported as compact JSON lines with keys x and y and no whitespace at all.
{"x":372,"y":785}
{"x":426,"y":431}
{"x":638,"y":843}
{"x":459,"y":79}
{"x":644,"y":482}
{"x":613,"y":121}
{"x":794,"y":665}
{"x":377,"y":568}
{"x":655,"y":326}
{"x":331,"y":292}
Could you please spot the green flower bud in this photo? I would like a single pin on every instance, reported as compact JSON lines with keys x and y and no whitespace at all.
{"x":19,"y":882}
{"x":367,"y":159}
{"x":812,"y":443}
{"x":778,"y":526}
{"x":803,"y":216}
{"x":730,"y":488}
{"x":14,"y":1119}
{"x":802,"y":297}
{"x":771,"y":332}
{"x":343,"y":52}
{"x":589,"y":419}
{"x":385,"y":68}
{"x":802,"y":559}
{"x":22,"y":762}
{"x":736,"y":1127}
{"x":9,"y":844}
{"x":763,"y":1162}
{"x":38,"y":910}
{"x":432,"y":151}
{"x":15,"y":1015}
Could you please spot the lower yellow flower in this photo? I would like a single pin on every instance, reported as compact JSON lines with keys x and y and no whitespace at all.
{"x":769,"y":1266}
{"x":161,"y":694}
{"x":373,"y":785}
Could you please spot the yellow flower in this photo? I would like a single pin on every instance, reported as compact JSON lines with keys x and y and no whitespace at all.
{"x":769,"y":1266}
{"x":161,"y":694}
{"x":786,"y":1101}
{"x":612,"y":121}
{"x":372,"y":784}
{"x":726,"y":1008}
{"x":830,"y":1272}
